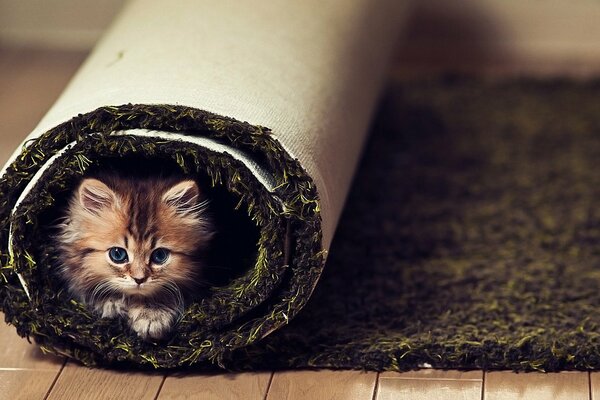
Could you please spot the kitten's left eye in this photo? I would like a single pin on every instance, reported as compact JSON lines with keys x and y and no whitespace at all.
{"x":160,"y":256}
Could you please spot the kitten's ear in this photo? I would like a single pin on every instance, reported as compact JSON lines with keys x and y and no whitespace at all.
{"x":94,"y":195}
{"x":183,"y":197}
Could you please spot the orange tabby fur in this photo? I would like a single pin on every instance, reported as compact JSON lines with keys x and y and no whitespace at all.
{"x":139,"y":216}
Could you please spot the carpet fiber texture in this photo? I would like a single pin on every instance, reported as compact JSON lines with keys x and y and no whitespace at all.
{"x":471,"y":238}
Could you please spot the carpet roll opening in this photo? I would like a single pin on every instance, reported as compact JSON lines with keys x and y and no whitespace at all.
{"x":40,"y":305}
{"x":235,"y":245}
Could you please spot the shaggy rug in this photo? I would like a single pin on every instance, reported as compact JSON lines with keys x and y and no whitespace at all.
{"x":471,"y":237}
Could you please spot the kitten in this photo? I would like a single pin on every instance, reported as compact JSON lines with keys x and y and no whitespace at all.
{"x":133,"y":247}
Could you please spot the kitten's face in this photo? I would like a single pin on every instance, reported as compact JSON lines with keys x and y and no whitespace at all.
{"x":137,"y":237}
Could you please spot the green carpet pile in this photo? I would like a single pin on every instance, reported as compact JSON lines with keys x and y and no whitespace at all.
{"x":471,"y":237}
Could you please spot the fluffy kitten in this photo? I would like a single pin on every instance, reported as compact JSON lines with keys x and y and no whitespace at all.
{"x":133,"y":247}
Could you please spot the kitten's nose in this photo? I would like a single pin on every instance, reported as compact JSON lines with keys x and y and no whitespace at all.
{"x":139,"y":281}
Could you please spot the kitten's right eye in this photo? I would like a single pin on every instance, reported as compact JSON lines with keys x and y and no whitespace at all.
{"x":118,"y":255}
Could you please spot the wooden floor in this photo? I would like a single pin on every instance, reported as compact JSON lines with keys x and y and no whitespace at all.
{"x":29,"y":82}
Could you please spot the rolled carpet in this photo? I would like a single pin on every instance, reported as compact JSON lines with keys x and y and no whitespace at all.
{"x":268,"y":102}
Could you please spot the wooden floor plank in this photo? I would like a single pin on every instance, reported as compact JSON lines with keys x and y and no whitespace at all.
{"x":242,"y":386}
{"x":25,"y":372}
{"x":25,"y":384}
{"x":330,"y":385}
{"x":506,"y":385}
{"x":77,"y":382}
{"x":595,"y":385}
{"x":430,"y":384}
{"x":18,"y":353}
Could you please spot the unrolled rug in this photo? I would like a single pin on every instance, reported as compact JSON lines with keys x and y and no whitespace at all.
{"x":471,"y":237}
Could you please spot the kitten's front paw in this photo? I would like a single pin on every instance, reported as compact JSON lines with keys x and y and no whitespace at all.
{"x":112,"y":308}
{"x":151,"y":323}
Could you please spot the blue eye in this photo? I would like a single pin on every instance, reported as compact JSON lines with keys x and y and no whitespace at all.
{"x":159,"y":256}
{"x":118,"y":255}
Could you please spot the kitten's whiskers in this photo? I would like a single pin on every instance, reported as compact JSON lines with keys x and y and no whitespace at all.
{"x":102,"y":291}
